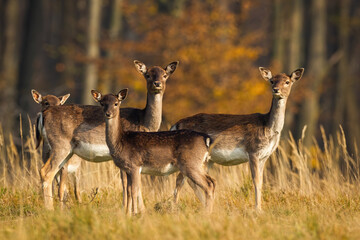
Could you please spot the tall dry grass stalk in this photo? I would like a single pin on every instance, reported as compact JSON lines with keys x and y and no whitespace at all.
{"x":327,"y":169}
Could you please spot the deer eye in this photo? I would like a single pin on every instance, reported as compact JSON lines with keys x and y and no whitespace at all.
{"x":147,"y":76}
{"x":271,"y":81}
{"x":116,"y":104}
{"x":287,"y":82}
{"x":47,"y":103}
{"x":165,"y":76}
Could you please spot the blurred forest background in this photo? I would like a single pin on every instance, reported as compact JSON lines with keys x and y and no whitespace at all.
{"x":64,"y":46}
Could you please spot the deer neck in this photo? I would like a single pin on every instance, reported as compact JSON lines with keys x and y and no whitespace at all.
{"x":114,"y":132}
{"x":153,"y":111}
{"x":277,"y":114}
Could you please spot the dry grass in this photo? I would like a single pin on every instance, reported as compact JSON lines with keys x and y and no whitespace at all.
{"x":309,"y":193}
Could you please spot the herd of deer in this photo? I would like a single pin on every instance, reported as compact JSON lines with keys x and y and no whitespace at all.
{"x":129,"y":137}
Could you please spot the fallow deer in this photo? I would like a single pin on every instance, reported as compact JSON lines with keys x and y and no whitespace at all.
{"x":70,"y":166}
{"x":155,"y":153}
{"x":245,"y":138}
{"x":80,"y":129}
{"x":46,"y":101}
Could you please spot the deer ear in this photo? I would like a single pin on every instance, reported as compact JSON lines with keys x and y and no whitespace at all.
{"x":171,"y":67}
{"x":96,"y":95}
{"x":122,"y":94}
{"x":265,"y":73}
{"x":63,"y":98}
{"x":141,"y":67}
{"x":297,"y":74}
{"x":36,"y":96}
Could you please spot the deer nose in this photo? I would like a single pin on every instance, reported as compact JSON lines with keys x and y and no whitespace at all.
{"x":157,"y":84}
{"x":107,"y":114}
{"x":275,"y":90}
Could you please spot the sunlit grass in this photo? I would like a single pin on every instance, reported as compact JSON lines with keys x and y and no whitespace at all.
{"x":309,"y":193}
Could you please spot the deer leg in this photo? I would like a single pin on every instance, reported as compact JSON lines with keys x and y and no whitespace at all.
{"x":209,"y":165}
{"x":196,"y":189}
{"x":72,"y":167}
{"x":207,"y":183}
{"x":210,"y":199}
{"x":45,"y":156}
{"x":123,"y":176}
{"x":48,"y":172}
{"x":140,"y":199}
{"x":180,"y":180}
{"x":77,"y":185}
{"x":128,"y":200}
{"x":199,"y":194}
{"x":135,"y":186}
{"x":256,"y":168}
{"x":46,"y":176}
{"x":62,"y":186}
{"x":56,"y":183}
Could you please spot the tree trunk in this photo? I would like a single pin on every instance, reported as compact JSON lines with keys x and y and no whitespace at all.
{"x":10,"y":65}
{"x":91,"y":70}
{"x":279,"y":38}
{"x":296,"y":52}
{"x":316,"y":71}
{"x":343,"y":77}
{"x":109,"y":80}
{"x":31,"y":54}
{"x":116,"y":20}
{"x":349,"y":109}
{"x":69,"y":75}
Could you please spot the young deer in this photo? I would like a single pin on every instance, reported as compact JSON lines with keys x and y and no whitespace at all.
{"x":155,"y":153}
{"x":245,"y":138}
{"x":46,"y":101}
{"x":80,"y":129}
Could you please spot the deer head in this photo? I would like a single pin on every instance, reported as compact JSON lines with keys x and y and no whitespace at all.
{"x":48,"y":100}
{"x":156,"y":77}
{"x":110,"y":102}
{"x":281,"y":83}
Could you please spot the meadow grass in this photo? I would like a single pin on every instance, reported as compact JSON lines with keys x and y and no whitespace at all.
{"x":309,"y":193}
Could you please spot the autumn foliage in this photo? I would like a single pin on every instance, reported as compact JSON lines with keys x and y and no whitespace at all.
{"x":216,"y":72}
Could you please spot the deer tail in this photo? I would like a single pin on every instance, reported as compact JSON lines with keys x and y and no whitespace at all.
{"x":39,"y":126}
{"x":174,"y":127}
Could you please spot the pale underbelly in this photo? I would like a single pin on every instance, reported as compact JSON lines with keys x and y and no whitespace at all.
{"x":93,"y":152}
{"x":167,"y":170}
{"x":229,"y":157}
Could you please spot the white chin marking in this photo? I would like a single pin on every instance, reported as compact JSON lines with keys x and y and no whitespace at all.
{"x":229,"y":156}
{"x":93,"y":152}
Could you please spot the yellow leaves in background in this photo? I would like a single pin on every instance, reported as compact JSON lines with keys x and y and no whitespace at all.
{"x":139,"y":86}
{"x":218,"y":93}
{"x":217,"y":71}
{"x":255,"y":88}
{"x":242,"y":52}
